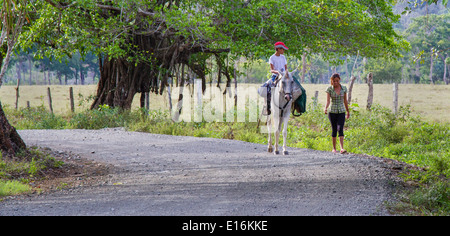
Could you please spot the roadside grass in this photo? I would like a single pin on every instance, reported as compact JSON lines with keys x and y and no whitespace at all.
{"x":17,"y":172}
{"x":13,"y":187}
{"x":404,"y":137}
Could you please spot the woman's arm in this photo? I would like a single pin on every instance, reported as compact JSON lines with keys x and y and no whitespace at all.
{"x":328,"y":103}
{"x":346,"y":105}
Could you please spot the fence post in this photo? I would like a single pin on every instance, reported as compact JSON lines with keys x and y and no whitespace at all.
{"x":72,"y":104}
{"x":49,"y":94}
{"x":395,"y":99}
{"x":17,"y":93}
{"x":370,"y":97}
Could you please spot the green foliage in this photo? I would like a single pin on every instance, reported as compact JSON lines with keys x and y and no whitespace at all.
{"x":13,"y":187}
{"x":432,"y":200}
{"x":246,"y":28}
{"x":16,"y":173}
{"x":385,"y":71}
{"x":428,"y":36}
{"x":35,"y":118}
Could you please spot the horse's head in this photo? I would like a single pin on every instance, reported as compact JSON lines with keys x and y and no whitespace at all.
{"x":286,"y":86}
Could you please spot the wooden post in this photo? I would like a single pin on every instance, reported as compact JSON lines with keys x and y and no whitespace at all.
{"x":350,"y":89}
{"x":395,"y":99}
{"x":49,"y":94}
{"x":370,"y":97}
{"x":72,"y":104}
{"x":17,"y":93}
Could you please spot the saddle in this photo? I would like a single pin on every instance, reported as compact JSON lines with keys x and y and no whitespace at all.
{"x":265,"y":91}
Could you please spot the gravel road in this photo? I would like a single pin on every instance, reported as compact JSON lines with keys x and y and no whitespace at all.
{"x":170,"y":175}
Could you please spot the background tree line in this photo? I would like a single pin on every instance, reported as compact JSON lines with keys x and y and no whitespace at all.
{"x":31,"y":70}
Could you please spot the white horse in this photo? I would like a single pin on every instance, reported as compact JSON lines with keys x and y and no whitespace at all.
{"x":283,"y":95}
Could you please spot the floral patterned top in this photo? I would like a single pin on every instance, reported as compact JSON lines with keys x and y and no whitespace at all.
{"x":337,"y":100}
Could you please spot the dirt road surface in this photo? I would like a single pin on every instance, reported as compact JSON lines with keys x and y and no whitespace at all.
{"x":169,"y":175}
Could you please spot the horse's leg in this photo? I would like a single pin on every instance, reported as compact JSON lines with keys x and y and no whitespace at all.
{"x":285,"y":124}
{"x":277,"y":134}
{"x":269,"y":124}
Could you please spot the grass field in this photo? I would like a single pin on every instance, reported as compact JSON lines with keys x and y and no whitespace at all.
{"x":429,"y":101}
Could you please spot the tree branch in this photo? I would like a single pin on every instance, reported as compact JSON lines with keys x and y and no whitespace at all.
{"x":58,"y":4}
{"x":107,"y":7}
{"x":145,"y":13}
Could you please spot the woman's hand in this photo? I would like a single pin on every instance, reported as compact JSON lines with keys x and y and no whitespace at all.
{"x":348,"y":115}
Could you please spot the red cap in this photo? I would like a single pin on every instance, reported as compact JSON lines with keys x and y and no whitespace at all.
{"x":281,"y":45}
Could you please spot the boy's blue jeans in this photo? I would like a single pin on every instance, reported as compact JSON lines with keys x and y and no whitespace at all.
{"x":269,"y":84}
{"x":274,"y":76}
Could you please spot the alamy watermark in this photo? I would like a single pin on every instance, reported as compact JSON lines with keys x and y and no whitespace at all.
{"x":214,"y":106}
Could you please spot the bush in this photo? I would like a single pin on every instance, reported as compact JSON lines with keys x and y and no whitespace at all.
{"x":35,"y":118}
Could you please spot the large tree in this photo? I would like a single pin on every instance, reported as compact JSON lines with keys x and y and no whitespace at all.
{"x":141,"y":43}
{"x":13,"y":17}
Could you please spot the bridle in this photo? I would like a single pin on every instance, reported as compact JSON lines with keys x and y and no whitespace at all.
{"x":285,"y":94}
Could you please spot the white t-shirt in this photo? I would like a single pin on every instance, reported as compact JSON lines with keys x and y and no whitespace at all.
{"x":278,"y":62}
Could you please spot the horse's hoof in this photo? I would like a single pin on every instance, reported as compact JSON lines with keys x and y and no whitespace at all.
{"x":285,"y":153}
{"x":270,"y":149}
{"x":276,"y":152}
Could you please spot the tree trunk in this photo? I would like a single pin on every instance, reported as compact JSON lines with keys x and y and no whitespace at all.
{"x":395,"y":98}
{"x":303,"y":67}
{"x":19,"y":69}
{"x":448,"y":81}
{"x":58,"y":75}
{"x":10,"y":140}
{"x":431,"y":69}
{"x":81,"y":75}
{"x":49,"y":77}
{"x":31,"y":70}
{"x":417,"y":72}
{"x":350,"y":89}
{"x":347,"y":73}
{"x":45,"y":75}
{"x":445,"y":71}
{"x":120,"y":81}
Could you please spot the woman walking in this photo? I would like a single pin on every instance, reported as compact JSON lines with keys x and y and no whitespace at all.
{"x":337,"y":94}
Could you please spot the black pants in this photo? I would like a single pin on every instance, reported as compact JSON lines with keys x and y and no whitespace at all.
{"x":337,"y":123}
